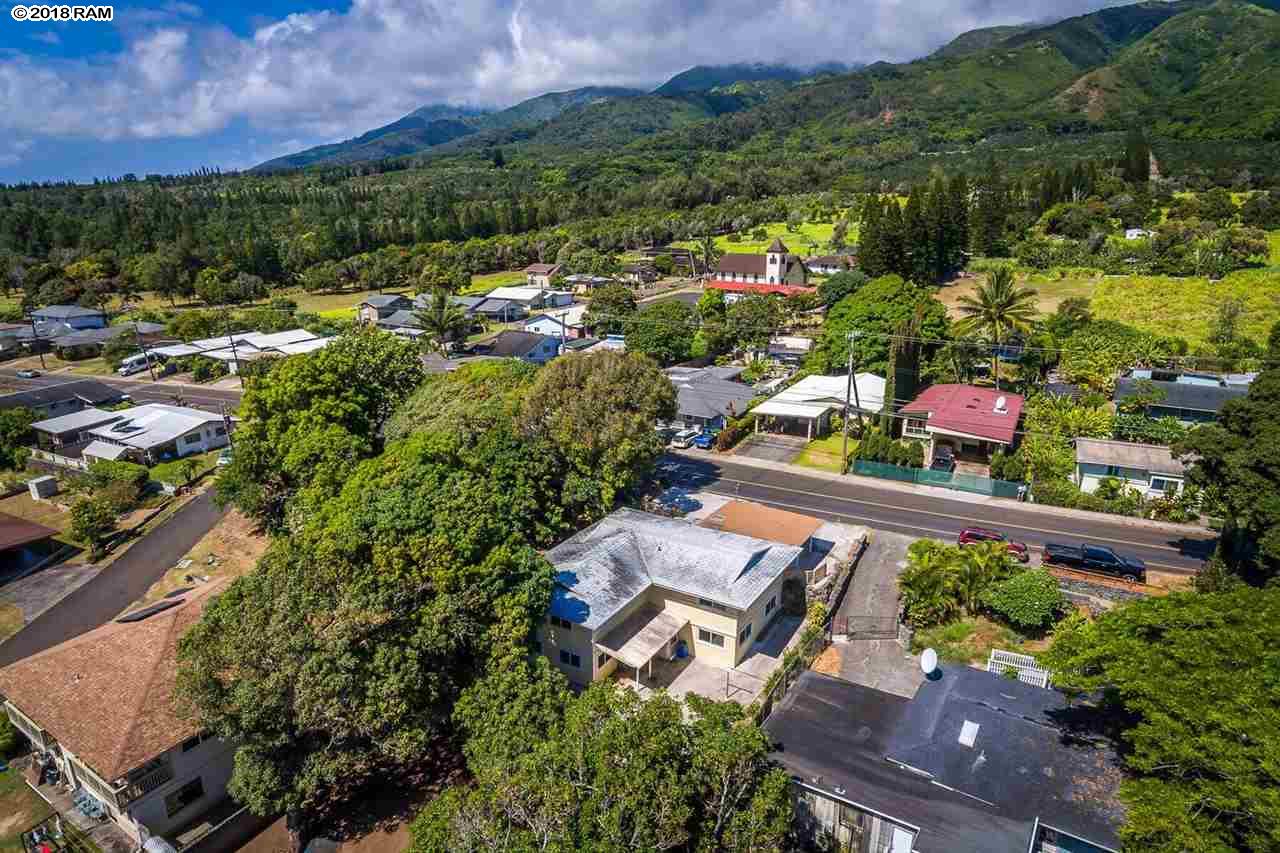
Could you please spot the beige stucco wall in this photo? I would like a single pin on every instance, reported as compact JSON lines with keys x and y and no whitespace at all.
{"x":720,"y":621}
{"x":756,"y":616}
{"x":577,"y":641}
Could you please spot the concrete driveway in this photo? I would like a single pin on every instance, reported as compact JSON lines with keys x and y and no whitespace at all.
{"x":123,"y":582}
{"x":771,"y":447}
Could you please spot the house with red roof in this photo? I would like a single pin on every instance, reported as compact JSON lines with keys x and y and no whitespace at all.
{"x":777,"y":271}
{"x":973,"y":422}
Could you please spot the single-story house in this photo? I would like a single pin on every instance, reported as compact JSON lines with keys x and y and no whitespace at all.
{"x":482,"y":307}
{"x":585,"y":283}
{"x":527,"y":346}
{"x":540,"y":275}
{"x":239,"y":347}
{"x":402,"y":321}
{"x":576,"y":345}
{"x":99,"y":711}
{"x":380,"y":306}
{"x":788,"y":349}
{"x":559,"y":322}
{"x":1150,"y":468}
{"x":10,"y":339}
{"x":50,"y":401}
{"x":611,"y":342}
{"x":707,"y":397}
{"x":636,"y":586}
{"x":67,"y":434}
{"x":1136,"y":233}
{"x":974,"y":422}
{"x":74,"y":316}
{"x":19,"y":533}
{"x":639,"y":273}
{"x":972,"y":763}
{"x":86,"y":343}
{"x":808,"y":405}
{"x":829,"y":264}
{"x":532,"y":298}
{"x":1192,"y":398}
{"x":757,"y":521}
{"x":156,"y":432}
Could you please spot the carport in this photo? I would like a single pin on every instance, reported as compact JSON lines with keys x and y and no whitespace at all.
{"x":641,"y":637}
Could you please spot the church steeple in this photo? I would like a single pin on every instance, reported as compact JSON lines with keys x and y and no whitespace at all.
{"x":775,"y":261}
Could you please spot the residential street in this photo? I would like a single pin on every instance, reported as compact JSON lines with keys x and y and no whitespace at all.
{"x":926,"y":513}
{"x":139,"y":387}
{"x":117,"y":586}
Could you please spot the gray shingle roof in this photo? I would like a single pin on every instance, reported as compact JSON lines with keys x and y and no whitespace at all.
{"x":89,"y":391}
{"x":384,"y":300}
{"x":702,"y":393}
{"x":513,"y":344}
{"x":64,"y":312}
{"x":1145,"y":457}
{"x":1184,"y":395}
{"x":600,"y":569}
{"x":401,"y":318}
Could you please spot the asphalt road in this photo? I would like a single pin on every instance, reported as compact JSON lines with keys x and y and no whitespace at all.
{"x":117,"y":586}
{"x":929,"y":514}
{"x":142,"y":390}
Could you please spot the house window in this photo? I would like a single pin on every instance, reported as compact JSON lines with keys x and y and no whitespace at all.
{"x":191,"y":439}
{"x":711,"y":637}
{"x":1160,"y":484}
{"x":768,"y":608}
{"x":220,"y":431}
{"x":602,"y":660}
{"x":570,"y":659}
{"x":746,"y":634}
{"x":560,"y":623}
{"x":916,"y":426}
{"x":184,"y":796}
{"x":712,"y":605}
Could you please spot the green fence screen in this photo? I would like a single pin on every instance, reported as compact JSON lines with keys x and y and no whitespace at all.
{"x":947,"y":480}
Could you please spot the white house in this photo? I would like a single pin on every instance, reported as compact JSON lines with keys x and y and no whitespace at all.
{"x":1150,"y":468}
{"x":157,"y":432}
{"x":532,"y":298}
{"x":1136,"y":233}
{"x":636,"y":587}
{"x":559,"y":322}
{"x":808,"y":405}
{"x":98,"y":710}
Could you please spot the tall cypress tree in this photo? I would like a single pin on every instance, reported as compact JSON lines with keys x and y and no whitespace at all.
{"x":916,"y":243}
{"x":870,"y":248}
{"x":1136,"y":165}
{"x":893,"y":238}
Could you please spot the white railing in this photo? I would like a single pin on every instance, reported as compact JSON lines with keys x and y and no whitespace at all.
{"x":65,"y":461}
{"x":1001,"y":662}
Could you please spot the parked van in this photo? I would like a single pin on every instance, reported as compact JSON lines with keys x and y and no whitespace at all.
{"x":133,"y":364}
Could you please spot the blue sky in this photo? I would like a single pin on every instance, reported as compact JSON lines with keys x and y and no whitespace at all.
{"x":175,"y":85}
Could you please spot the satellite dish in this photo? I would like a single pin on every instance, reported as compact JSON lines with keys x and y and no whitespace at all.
{"x":928,"y":661}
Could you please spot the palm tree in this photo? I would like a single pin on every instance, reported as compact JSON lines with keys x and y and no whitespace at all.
{"x":981,"y":565}
{"x":442,"y":319}
{"x":710,"y":253}
{"x":928,"y":585}
{"x":998,"y":308}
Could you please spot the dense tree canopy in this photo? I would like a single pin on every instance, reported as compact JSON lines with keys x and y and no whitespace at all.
{"x":664,"y":331}
{"x":311,"y":417}
{"x":1239,"y":457}
{"x":875,"y":311}
{"x":1190,"y":681}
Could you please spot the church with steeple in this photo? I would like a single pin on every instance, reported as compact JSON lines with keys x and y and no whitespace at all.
{"x":776,"y":271}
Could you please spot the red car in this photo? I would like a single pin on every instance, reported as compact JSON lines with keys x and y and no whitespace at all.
{"x":979,"y":534}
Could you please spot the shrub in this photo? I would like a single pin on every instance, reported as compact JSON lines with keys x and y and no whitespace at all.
{"x":8,"y":737}
{"x":734,"y":432}
{"x":1029,"y":599}
{"x":104,"y":472}
{"x":92,"y":521}
{"x":206,"y":369}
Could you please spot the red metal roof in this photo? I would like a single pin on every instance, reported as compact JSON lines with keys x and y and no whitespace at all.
{"x":759,"y":287}
{"x":969,"y":410}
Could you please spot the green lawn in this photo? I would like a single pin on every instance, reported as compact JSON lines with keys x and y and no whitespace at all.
{"x":796,"y":241}
{"x":20,"y":809}
{"x":970,"y":640}
{"x":824,"y":453}
{"x":488,"y":281}
{"x":1185,"y":306}
{"x":1273,"y":237}
{"x":171,"y":472}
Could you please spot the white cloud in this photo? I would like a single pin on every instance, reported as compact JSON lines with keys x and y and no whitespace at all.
{"x":328,"y":75}
{"x":47,"y":37}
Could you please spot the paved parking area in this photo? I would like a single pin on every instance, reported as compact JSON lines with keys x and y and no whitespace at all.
{"x":771,"y":447}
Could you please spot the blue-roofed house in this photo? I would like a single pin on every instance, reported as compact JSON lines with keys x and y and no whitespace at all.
{"x":635,"y":587}
{"x":75,"y":316}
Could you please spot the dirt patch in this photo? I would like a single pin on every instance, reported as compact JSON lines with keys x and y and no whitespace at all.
{"x":20,"y":809}
{"x":11,"y":622}
{"x":229,"y":550}
{"x":1168,"y":580}
{"x":828,"y":663}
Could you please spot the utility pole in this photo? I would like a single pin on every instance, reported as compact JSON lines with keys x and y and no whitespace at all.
{"x":137,"y":339}
{"x":35,"y":339}
{"x":851,"y":390}
{"x":226,"y":422}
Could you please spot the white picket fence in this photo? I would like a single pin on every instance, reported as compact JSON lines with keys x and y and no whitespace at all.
{"x":1028,"y":671}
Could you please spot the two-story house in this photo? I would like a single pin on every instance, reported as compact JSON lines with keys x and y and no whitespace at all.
{"x":98,"y":710}
{"x":636,"y":587}
{"x":75,"y":316}
{"x":380,"y":306}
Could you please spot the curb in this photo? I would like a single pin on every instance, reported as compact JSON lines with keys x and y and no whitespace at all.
{"x":891,"y":485}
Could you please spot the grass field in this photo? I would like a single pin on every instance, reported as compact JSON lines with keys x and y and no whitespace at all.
{"x":1050,"y":290}
{"x":488,"y":281}
{"x":970,"y":640}
{"x":20,"y":809}
{"x":824,"y":453}
{"x":796,"y":241}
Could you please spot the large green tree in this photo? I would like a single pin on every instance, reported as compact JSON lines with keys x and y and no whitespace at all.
{"x":338,"y":659}
{"x":875,"y":312}
{"x":598,"y":411}
{"x":1189,"y":683}
{"x":753,"y":320}
{"x":609,"y":772}
{"x":609,"y":310}
{"x":663,"y":331}
{"x":1239,"y":459}
{"x":15,"y":436}
{"x":313,"y":416}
